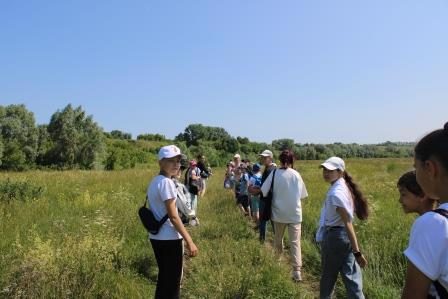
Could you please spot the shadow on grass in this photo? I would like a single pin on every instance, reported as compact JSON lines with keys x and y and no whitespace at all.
{"x":146,"y":267}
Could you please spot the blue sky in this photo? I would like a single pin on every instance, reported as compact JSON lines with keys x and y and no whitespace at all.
{"x":313,"y":71}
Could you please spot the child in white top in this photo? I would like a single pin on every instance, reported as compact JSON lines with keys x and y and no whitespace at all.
{"x":167,"y":243}
{"x":427,"y":253}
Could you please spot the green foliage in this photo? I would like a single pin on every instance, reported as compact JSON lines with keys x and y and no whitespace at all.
{"x":14,"y":158}
{"x":116,"y":134}
{"x":1,"y":150}
{"x":77,"y":139}
{"x":122,"y":154}
{"x":151,"y":137}
{"x":19,"y":134}
{"x":19,"y":190}
{"x":73,"y":140}
{"x":196,"y":132}
{"x":44,"y":144}
{"x":282,"y":144}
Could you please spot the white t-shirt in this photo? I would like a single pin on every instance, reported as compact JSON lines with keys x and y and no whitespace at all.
{"x":337,"y":196}
{"x":161,"y":189}
{"x":289,"y":189}
{"x":197,"y":172}
{"x":428,"y":246}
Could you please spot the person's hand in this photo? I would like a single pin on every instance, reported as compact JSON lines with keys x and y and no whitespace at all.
{"x":361,"y":260}
{"x":192,"y":249}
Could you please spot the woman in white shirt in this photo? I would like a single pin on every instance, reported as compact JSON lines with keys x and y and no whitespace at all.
{"x":167,"y":243}
{"x":340,"y":251}
{"x":288,"y":192}
{"x":427,"y":254}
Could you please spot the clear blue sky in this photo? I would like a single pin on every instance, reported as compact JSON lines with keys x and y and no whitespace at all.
{"x":314,"y":71}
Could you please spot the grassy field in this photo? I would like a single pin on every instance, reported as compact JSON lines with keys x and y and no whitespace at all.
{"x":82,"y":238}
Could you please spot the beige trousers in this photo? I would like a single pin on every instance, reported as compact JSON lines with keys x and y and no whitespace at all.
{"x":294,"y":233}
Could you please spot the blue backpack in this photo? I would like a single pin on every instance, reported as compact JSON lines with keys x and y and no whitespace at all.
{"x":243,"y":184}
{"x":257,"y":180}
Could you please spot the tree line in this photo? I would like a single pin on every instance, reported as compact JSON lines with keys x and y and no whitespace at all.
{"x":73,"y":140}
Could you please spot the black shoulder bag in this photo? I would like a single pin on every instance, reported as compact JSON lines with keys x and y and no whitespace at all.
{"x":149,"y":221}
{"x":267,"y":210}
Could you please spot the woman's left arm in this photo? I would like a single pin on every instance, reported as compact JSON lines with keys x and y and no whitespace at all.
{"x":352,"y":236}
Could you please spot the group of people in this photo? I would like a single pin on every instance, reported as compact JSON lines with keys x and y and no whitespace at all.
{"x":424,"y":191}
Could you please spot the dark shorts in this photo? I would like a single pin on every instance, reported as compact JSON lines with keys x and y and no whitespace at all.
{"x":243,"y":200}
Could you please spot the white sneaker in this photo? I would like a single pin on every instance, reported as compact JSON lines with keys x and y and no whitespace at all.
{"x":194,"y":222}
{"x":296,"y":276}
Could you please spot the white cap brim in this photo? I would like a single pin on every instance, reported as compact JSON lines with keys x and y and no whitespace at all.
{"x":169,"y":156}
{"x":328,"y":166}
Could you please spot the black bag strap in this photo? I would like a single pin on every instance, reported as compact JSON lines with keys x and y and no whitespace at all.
{"x":441,"y":291}
{"x":164,"y":218}
{"x":441,"y":212}
{"x":271,"y":189}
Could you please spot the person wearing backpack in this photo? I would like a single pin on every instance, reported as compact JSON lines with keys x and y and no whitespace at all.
{"x":254,"y":186}
{"x":267,"y":159}
{"x":243,"y":192}
{"x":168,"y":242}
{"x":204,"y":174}
{"x":427,"y":253}
{"x":192,"y":181}
{"x":183,"y":202}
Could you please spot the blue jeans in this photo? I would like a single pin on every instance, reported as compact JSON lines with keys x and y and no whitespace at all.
{"x":337,"y":257}
{"x":194,"y":202}
{"x":262,"y":225}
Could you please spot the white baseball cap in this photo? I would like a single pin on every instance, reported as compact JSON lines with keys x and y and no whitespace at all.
{"x":237,"y":156}
{"x":169,"y":151}
{"x":334,"y":163}
{"x":267,"y":153}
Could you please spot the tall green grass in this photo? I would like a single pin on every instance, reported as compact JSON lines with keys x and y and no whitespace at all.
{"x":82,"y":238}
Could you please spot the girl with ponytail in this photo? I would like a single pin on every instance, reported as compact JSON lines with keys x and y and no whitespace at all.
{"x":340,"y":252}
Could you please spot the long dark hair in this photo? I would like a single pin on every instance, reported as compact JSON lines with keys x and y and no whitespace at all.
{"x":361,"y":205}
{"x":434,"y":145}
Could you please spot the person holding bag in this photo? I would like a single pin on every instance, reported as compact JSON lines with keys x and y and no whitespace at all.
{"x":288,"y":190}
{"x":168,"y":242}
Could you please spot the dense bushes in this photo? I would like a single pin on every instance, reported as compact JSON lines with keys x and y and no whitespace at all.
{"x":19,"y":190}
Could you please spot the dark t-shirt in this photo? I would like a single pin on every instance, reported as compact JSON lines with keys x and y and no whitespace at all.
{"x":203,"y":168}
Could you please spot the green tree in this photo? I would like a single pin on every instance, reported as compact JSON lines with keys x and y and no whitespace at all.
{"x":1,"y":150}
{"x":151,"y":137}
{"x":19,"y":133}
{"x":282,"y":144}
{"x":196,"y":132}
{"x":44,"y":144}
{"x":117,"y":134}
{"x":77,"y":139}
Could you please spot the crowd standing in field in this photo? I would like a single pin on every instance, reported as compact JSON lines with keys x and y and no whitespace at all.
{"x":274,"y":194}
